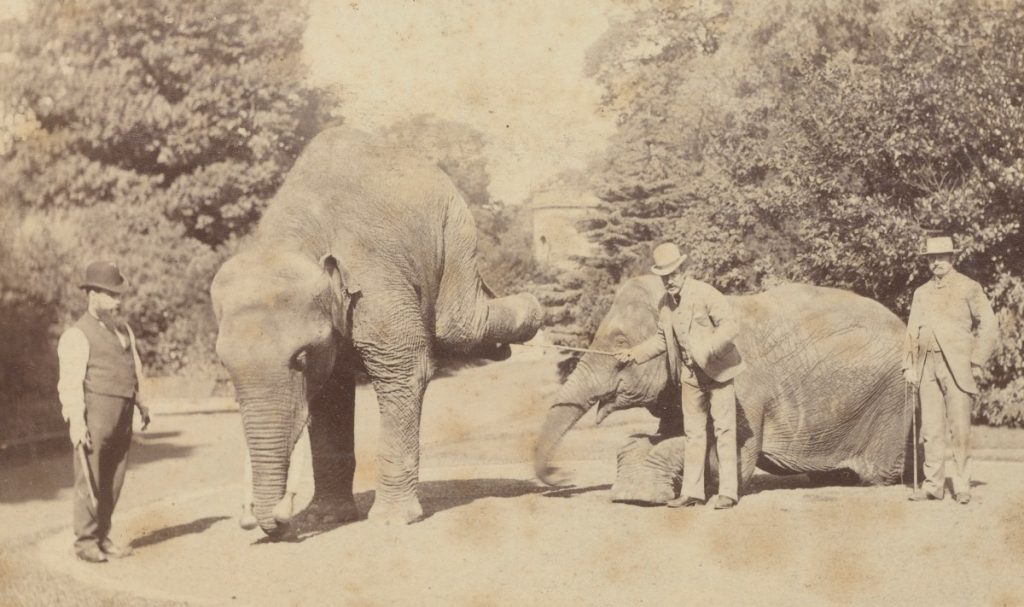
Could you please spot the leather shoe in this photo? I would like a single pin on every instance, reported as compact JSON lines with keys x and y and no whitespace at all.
{"x":924,"y":496}
{"x":723,"y":502}
{"x":91,"y":554}
{"x":963,"y":498}
{"x":117,"y":551}
{"x":684,"y":502}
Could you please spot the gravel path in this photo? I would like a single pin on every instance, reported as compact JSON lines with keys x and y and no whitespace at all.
{"x":493,"y":537}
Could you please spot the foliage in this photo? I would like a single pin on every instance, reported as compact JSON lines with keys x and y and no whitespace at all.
{"x":149,"y":133}
{"x":194,"y":110}
{"x":817,"y":142}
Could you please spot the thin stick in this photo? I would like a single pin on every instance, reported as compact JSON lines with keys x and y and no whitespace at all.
{"x":913,"y":426}
{"x":87,"y":471}
{"x":584,"y":350}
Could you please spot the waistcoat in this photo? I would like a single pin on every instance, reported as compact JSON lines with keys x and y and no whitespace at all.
{"x":111,"y":367}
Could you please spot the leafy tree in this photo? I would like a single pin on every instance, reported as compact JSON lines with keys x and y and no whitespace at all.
{"x":191,"y":110}
{"x":152,"y":133}
{"x":817,"y":142}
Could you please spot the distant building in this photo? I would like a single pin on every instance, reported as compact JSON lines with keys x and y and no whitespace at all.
{"x":556,"y":238}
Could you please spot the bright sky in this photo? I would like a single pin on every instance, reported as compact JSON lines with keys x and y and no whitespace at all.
{"x":513,"y":70}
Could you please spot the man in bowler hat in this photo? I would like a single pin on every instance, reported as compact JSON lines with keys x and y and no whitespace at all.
{"x":951,"y":333}
{"x":99,"y":390}
{"x":696,"y":328}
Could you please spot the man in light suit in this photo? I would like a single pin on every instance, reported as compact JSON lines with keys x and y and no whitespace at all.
{"x":951,"y":334}
{"x":696,"y":329}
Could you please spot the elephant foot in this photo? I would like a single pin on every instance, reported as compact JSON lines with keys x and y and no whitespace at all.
{"x":636,"y":491}
{"x":247,"y":520}
{"x":401,"y":512}
{"x":285,"y":509}
{"x":328,"y":511}
{"x":648,"y":470}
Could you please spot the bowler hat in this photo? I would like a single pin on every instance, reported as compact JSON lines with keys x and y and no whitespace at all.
{"x":105,"y":276}
{"x":938,"y":245}
{"x":666,"y":259}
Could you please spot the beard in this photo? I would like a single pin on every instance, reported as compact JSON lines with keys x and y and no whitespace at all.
{"x":113,"y":319}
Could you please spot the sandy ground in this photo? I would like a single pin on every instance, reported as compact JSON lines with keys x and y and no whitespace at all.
{"x":492,"y":536}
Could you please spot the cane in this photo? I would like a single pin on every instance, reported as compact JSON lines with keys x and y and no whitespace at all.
{"x":913,"y":424}
{"x":87,"y":471}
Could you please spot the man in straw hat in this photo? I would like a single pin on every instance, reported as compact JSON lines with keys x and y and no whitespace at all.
{"x":697,"y":330}
{"x":99,"y":389}
{"x":951,"y":334}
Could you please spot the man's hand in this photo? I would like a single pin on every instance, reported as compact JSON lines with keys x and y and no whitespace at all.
{"x":624,"y":357}
{"x":977,"y":372}
{"x":144,"y":415}
{"x":908,"y":374}
{"x":79,"y":433}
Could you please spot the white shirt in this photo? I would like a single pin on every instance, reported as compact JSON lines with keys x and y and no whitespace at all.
{"x":73,"y":354}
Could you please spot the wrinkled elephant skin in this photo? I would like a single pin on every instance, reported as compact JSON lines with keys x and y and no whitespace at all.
{"x":364,"y":260}
{"x":822,"y":391}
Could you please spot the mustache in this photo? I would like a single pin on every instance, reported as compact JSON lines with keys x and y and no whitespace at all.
{"x":113,"y":319}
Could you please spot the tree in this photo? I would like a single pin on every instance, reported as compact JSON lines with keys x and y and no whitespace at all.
{"x":153,"y":133}
{"x":191,"y":110}
{"x":817,"y":142}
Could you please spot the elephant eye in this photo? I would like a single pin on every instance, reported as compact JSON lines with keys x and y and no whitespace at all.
{"x":299,"y":360}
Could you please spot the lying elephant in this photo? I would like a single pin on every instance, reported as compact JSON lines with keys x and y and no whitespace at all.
{"x":365,"y":258}
{"x":822,"y":391}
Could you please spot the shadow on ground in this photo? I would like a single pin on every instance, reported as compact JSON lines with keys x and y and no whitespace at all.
{"x":435,"y":497}
{"x":169,"y":533}
{"x":44,"y":476}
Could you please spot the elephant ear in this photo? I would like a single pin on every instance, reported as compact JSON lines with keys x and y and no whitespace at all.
{"x":344,"y":291}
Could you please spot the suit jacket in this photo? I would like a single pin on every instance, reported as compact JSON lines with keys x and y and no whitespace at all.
{"x":955,"y":317}
{"x":701,"y":329}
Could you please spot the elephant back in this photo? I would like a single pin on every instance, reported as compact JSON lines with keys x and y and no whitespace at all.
{"x":825,"y":366}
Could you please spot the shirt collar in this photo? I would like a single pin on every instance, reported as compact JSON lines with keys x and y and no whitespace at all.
{"x":944,"y":281}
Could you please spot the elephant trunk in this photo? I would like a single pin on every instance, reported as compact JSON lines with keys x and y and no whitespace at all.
{"x":269,"y":426}
{"x":513,"y":319}
{"x":573,"y":400}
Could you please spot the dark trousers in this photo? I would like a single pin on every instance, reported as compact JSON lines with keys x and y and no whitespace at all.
{"x":109,"y":419}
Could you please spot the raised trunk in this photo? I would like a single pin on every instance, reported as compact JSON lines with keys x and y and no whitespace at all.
{"x":575,"y":398}
{"x":513,"y":319}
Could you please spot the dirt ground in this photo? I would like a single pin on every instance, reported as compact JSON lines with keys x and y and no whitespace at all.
{"x":493,"y":536}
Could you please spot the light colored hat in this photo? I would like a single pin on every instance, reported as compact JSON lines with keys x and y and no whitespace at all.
{"x":938,"y":245}
{"x":666,"y":259}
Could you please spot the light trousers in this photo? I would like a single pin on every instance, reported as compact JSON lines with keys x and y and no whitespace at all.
{"x":718,"y":399}
{"x":945,"y":409}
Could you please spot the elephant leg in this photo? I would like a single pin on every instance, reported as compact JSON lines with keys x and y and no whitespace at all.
{"x":332,"y":443}
{"x":649,"y":470}
{"x":400,"y":379}
{"x":749,"y":434}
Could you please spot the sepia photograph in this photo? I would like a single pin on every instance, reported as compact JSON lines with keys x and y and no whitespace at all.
{"x":537,"y":302}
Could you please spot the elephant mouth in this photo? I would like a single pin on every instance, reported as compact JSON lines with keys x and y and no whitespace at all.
{"x":608,"y":402}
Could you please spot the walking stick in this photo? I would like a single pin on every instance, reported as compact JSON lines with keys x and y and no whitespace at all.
{"x":913,"y":423}
{"x":567,"y":348}
{"x":84,"y":462}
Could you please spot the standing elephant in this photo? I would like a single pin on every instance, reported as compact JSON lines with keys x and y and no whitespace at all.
{"x":822,"y":392}
{"x":364,"y":259}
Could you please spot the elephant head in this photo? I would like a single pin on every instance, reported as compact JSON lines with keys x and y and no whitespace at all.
{"x":281,"y":318}
{"x":599,"y":381}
